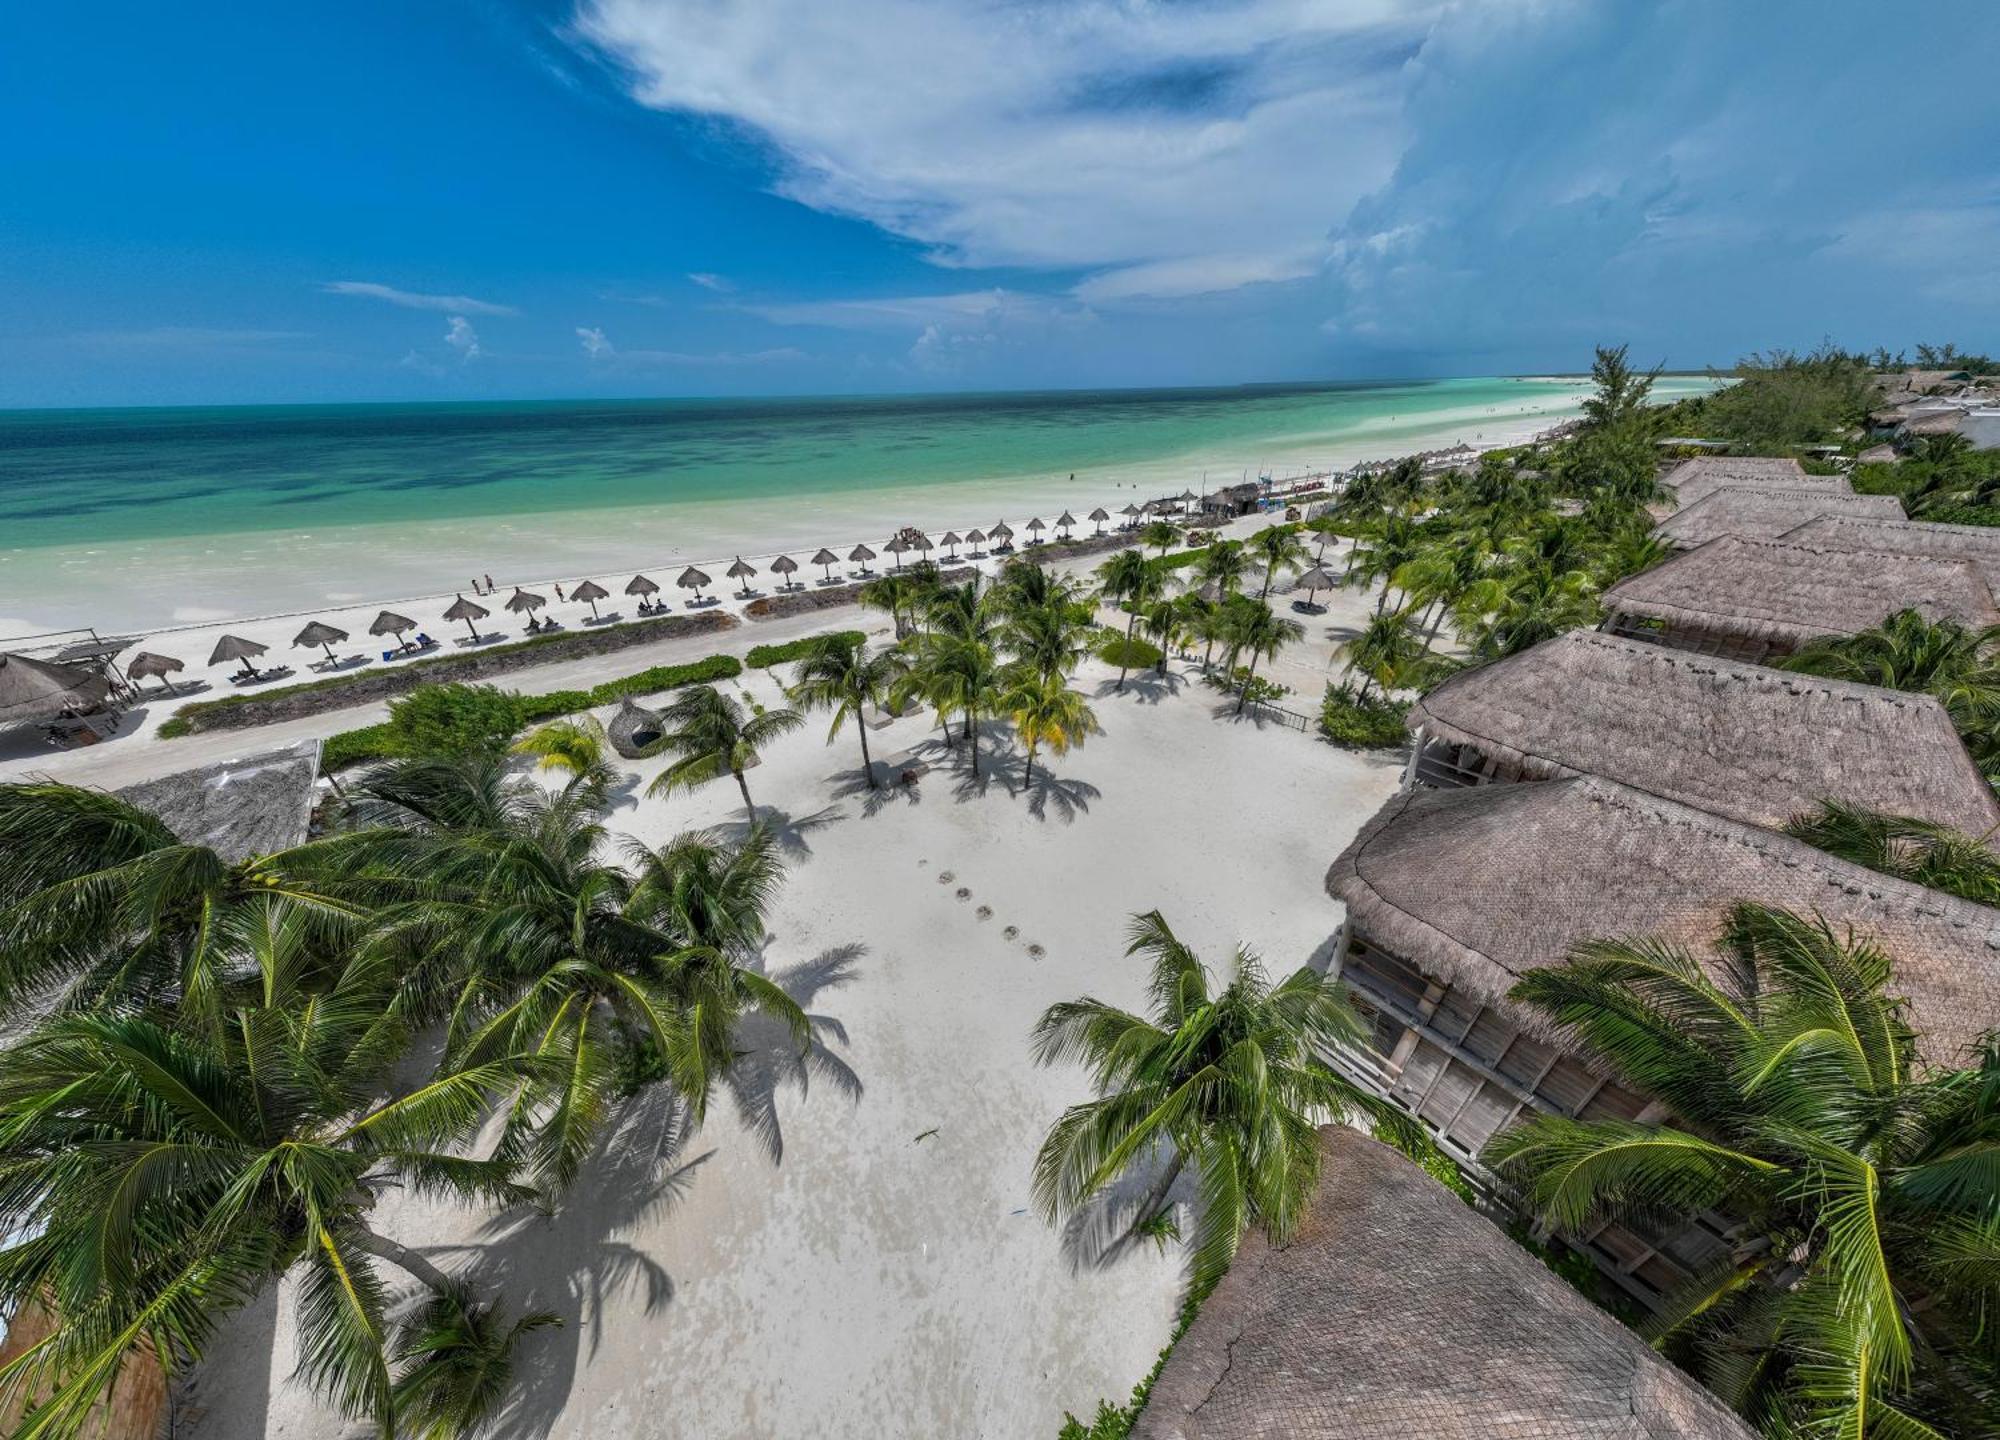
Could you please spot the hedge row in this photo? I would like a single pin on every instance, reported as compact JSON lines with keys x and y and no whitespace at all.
{"x":763,"y":657}
{"x":295,"y":702}
{"x":377,"y":742}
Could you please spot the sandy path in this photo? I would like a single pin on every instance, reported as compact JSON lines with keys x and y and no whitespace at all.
{"x":807,"y":1266}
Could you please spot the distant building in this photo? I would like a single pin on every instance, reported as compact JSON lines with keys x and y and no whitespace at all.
{"x":1694,"y":479}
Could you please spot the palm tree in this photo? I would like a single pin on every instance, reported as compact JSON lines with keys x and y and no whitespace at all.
{"x":896,"y":595}
{"x":1908,"y":652}
{"x":1231,"y":1083}
{"x":1278,"y":546}
{"x":1127,"y":579}
{"x":1523,"y":605}
{"x":101,"y":905}
{"x":1223,"y":565}
{"x":1440,"y":576}
{"x":1045,"y":711}
{"x":1165,"y":623}
{"x":1050,"y":642}
{"x":1867,"y":1187}
{"x":1162,"y":533}
{"x":1024,"y":587}
{"x":459,"y":1364}
{"x":157,"y":1178}
{"x":839,"y":674}
{"x":1920,"y":851}
{"x":574,"y":746}
{"x":1256,"y":629}
{"x":1388,"y":652}
{"x":1385,"y":548}
{"x":710,"y":736}
{"x":958,"y":677}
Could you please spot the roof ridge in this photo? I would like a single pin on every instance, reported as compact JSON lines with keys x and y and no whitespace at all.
{"x":1767,"y":675}
{"x":1781,"y":543}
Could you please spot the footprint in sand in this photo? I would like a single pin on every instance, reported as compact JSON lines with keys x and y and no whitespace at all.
{"x":984,"y":912}
{"x":963,"y":893}
{"x":1012,"y":932}
{"x":945,"y":877}
{"x":1036,"y":952}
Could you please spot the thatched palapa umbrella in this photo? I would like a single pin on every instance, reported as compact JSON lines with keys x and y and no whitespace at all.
{"x":1035,"y":528}
{"x":319,"y":634}
{"x":1064,"y":522}
{"x":44,"y":689}
{"x":1315,"y":580}
{"x":1000,"y":535}
{"x":1131,"y":514}
{"x":784,"y":565}
{"x":1100,"y":515}
{"x":693,"y":579}
{"x":896,"y":547}
{"x":590,"y":592}
{"x":147,"y":663}
{"x":950,"y":539}
{"x":827,"y":559}
{"x":861,"y":555}
{"x":390,"y":623}
{"x":742,"y":570}
{"x":1187,"y":498}
{"x":975,"y":539}
{"x":639,"y":585}
{"x":235,"y":647}
{"x":466,"y":610}
{"x":525,"y":602}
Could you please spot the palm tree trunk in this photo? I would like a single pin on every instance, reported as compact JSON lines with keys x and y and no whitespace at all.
{"x":1028,"y":775}
{"x":1437,"y":619}
{"x":403,"y":1258}
{"x":867,"y":764}
{"x":1243,"y":695}
{"x":973,"y":731}
{"x":1130,"y":621}
{"x":749,"y":808}
{"x":1270,"y":573}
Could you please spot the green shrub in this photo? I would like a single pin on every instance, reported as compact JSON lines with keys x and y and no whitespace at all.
{"x":453,"y":720}
{"x":1133,"y":654}
{"x":1115,"y":1422}
{"x":556,"y":703}
{"x":1357,"y":724}
{"x":763,"y":657}
{"x":356,"y":747}
{"x":666,"y":677}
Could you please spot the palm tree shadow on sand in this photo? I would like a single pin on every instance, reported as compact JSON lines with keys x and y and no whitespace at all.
{"x":1100,"y":1235}
{"x":1147,"y":686}
{"x":768,"y":1061}
{"x":791,"y":832}
{"x":848,"y":784}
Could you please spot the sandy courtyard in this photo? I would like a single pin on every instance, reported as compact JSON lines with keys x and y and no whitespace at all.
{"x":858,"y":1257}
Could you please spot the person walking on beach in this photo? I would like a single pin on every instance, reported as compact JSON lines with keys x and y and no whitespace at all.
{"x":559,"y":594}
{"x":475,"y":586}
{"x":489,"y":584}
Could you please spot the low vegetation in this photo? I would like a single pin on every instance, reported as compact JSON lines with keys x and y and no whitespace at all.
{"x":1358,"y":722}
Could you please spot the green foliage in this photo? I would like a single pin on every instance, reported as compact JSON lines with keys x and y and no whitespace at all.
{"x":356,"y":747}
{"x":1416,"y":1143}
{"x":763,"y":657}
{"x":1356,"y":723}
{"x":1135,"y":654}
{"x":457,"y":1356}
{"x":654,"y":679}
{"x":1782,"y":400}
{"x":1115,"y":1422}
{"x":454,"y":721}
{"x":1920,"y":851}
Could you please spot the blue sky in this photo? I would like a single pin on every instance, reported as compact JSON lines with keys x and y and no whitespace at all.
{"x":436,"y":200}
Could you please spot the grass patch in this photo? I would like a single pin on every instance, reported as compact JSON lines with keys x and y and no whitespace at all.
{"x":763,"y":657}
{"x":1132,"y":654}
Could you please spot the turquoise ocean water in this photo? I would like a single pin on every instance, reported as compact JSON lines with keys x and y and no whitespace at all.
{"x":149,"y":516}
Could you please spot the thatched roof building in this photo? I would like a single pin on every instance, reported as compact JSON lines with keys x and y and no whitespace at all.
{"x":1474,"y":888}
{"x":1977,"y":544}
{"x":238,"y":808}
{"x":633,"y":729}
{"x":1764,"y":512}
{"x":1396,"y":1311}
{"x":1693,"y":480}
{"x":1750,"y":599}
{"x":1738,"y":740}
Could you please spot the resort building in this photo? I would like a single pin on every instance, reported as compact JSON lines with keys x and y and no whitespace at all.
{"x":1737,"y":740}
{"x":1764,"y":512}
{"x":1452,"y":896}
{"x":1694,"y":480}
{"x":258,"y":805}
{"x":1397,"y":1311}
{"x":1753,"y":599}
{"x":1977,"y":544}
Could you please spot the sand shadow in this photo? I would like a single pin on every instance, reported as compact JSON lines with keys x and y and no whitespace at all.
{"x":1099,"y":1235}
{"x":789,"y":831}
{"x":1148,"y":686}
{"x":887,"y":789}
{"x":768,"y":1060}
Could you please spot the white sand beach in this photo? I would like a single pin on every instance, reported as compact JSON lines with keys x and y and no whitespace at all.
{"x":851,"y":1251}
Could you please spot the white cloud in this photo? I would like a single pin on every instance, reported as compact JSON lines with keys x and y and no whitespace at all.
{"x":1181,"y":145}
{"x":711,"y":281}
{"x":460,"y":335}
{"x":1197,"y":275}
{"x":411,"y":300}
{"x":599,"y":348}
{"x":594,"y":343}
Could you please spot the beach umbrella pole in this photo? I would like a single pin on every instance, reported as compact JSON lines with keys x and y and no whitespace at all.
{"x":329,"y":651}
{"x":471,"y":629}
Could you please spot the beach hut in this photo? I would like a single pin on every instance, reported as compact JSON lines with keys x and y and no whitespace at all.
{"x":633,"y":729}
{"x":45,"y":689}
{"x":1977,"y":544}
{"x":320,"y":634}
{"x":468,"y":611}
{"x":1754,"y":599}
{"x":1734,"y":739}
{"x":742,"y":570}
{"x":147,"y":663}
{"x":1131,"y":514}
{"x":390,"y":623}
{"x":1692,"y":480}
{"x":785,"y":565}
{"x":235,"y":647}
{"x":644,"y":588}
{"x":1764,"y":512}
{"x":1187,"y":499}
{"x":975,"y":539}
{"x":693,"y":579}
{"x":1035,"y":529}
{"x":1315,"y":580}
{"x":827,"y":560}
{"x":1444,"y":1327}
{"x":896,"y":546}
{"x":951,"y":542}
{"x":1099,"y":516}
{"x":1065,"y":522}
{"x":590,"y":592}
{"x":861,"y":555}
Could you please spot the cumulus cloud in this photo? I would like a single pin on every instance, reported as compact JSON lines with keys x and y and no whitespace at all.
{"x":412,"y":300}
{"x":711,"y":281}
{"x":594,"y":343}
{"x":460,"y":335}
{"x":1184,"y":148}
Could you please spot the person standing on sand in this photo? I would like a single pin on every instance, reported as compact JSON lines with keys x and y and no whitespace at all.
{"x":559,"y":594}
{"x":489,"y":584}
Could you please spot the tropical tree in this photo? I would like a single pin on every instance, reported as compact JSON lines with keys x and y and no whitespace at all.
{"x":1222,"y":565}
{"x":1278,"y":547}
{"x":1384,"y":548}
{"x":1256,"y":630}
{"x":1861,"y":1304}
{"x":709,"y":736}
{"x":573,"y":746}
{"x":1024,"y":587}
{"x":896,"y":595}
{"x":1440,"y":577}
{"x":1166,"y":623}
{"x":458,"y":1358}
{"x":1921,"y":851}
{"x":1941,"y":658}
{"x":1045,"y":711}
{"x":103,"y":906}
{"x":1524,"y":604}
{"x":1621,"y":391}
{"x":839,"y":674}
{"x":1387,"y":652}
{"x":1127,"y":580}
{"x":157,"y":1177}
{"x":1160,"y":533}
{"x":1229,"y":1082}
{"x":957,"y":676}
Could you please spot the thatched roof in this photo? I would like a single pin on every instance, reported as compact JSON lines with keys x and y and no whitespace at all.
{"x":1477,"y":887}
{"x":1099,"y":514}
{"x":238,"y":808}
{"x":147,"y":663}
{"x":633,"y":728}
{"x":318,"y":632}
{"x":464,"y":609}
{"x":1937,"y":422}
{"x":641,"y":585}
{"x":784,"y":565}
{"x":693,"y":579}
{"x":741,"y":570}
{"x":825,"y":557}
{"x":1764,"y":512}
{"x":235,"y":647}
{"x":1739,"y":740}
{"x":861,"y":553}
{"x":390,"y":623}
{"x":1396,"y":1311}
{"x":1979,"y":545}
{"x":589,"y":590}
{"x":1786,"y":593}
{"x":42,"y":689}
{"x":1691,"y":480}
{"x":524,"y":600}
